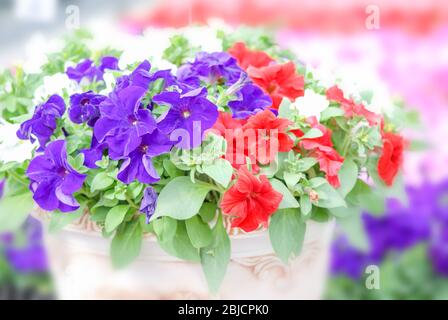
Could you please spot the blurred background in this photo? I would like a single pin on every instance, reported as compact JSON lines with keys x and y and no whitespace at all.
{"x":399,"y":50}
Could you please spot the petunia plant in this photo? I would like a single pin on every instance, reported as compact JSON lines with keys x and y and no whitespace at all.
{"x":241,"y":138}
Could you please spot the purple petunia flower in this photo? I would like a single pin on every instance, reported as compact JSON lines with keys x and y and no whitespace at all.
{"x":189,"y":116}
{"x":149,"y":202}
{"x":84,"y":107}
{"x":138,"y":165}
{"x":94,"y":154}
{"x":251,"y":99}
{"x":423,"y":220}
{"x":211,"y":68}
{"x":346,"y":259}
{"x":43,"y":123}
{"x":53,"y":180}
{"x":141,"y":77}
{"x":122,"y":123}
{"x":87,"y":69}
{"x":28,"y":257}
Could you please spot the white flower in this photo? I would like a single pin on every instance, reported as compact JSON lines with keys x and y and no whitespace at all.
{"x":11,"y":147}
{"x":55,"y":84}
{"x":311,"y":104}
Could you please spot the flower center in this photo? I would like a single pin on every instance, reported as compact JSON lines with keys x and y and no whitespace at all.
{"x":85,"y":101}
{"x":132,"y":120}
{"x":186,"y":114}
{"x":272,"y":88}
{"x":62,"y":172}
{"x":144,"y":148}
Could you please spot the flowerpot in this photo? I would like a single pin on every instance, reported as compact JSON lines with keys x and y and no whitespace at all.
{"x":81,"y":267}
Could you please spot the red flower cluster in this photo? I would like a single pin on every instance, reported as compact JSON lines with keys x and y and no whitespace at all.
{"x":322,"y":149}
{"x":259,"y":137}
{"x":247,"y":57}
{"x":251,"y":200}
{"x":391,"y":157}
{"x":350,"y":107}
{"x":278,"y":80}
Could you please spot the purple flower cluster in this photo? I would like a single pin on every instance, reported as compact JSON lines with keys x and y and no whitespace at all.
{"x":423,"y":220}
{"x":86,"y":69}
{"x":29,"y":257}
{"x":222,"y":69}
{"x":44,"y":121}
{"x":53,"y":180}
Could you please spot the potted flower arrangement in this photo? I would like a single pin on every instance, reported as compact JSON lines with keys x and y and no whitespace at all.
{"x":234,"y":161}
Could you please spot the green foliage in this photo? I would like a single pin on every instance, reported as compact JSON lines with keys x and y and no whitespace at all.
{"x":179,"y":50}
{"x":288,"y":200}
{"x":287,"y":232}
{"x":16,"y":93}
{"x":199,"y":232}
{"x":215,"y":257}
{"x":189,"y":198}
{"x":126,"y":244}
{"x":75,"y":49}
{"x":328,"y":196}
{"x":179,"y":244}
{"x":115,"y":217}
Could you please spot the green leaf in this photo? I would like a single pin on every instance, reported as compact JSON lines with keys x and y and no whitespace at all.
{"x":165,"y":228}
{"x":287,"y":233}
{"x":288,"y":200}
{"x":208,"y":211}
{"x":115,"y":217}
{"x":328,"y":196}
{"x":284,"y":110}
{"x":180,"y":245}
{"x":60,"y":219}
{"x":291,"y":179}
{"x":215,"y":258}
{"x":353,"y":228}
{"x":362,"y":195}
{"x":312,"y":133}
{"x":220,"y":170}
{"x":199,"y":232}
{"x":188,"y":198}
{"x":331,"y":112}
{"x":14,"y":210}
{"x":305,"y":163}
{"x":171,"y":169}
{"x":101,"y":182}
{"x":348,"y":174}
{"x":126,"y":244}
{"x":305,"y":204}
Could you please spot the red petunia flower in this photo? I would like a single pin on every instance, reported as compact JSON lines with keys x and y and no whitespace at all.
{"x":247,"y":57}
{"x":279,"y":81}
{"x":268,"y":136}
{"x":391,"y":157}
{"x":321,"y":148}
{"x":232,"y":131}
{"x":351,"y":108}
{"x":251,"y":200}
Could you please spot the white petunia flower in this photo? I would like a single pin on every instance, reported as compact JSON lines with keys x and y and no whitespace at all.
{"x":311,"y":104}
{"x":55,"y":84}
{"x":11,"y":147}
